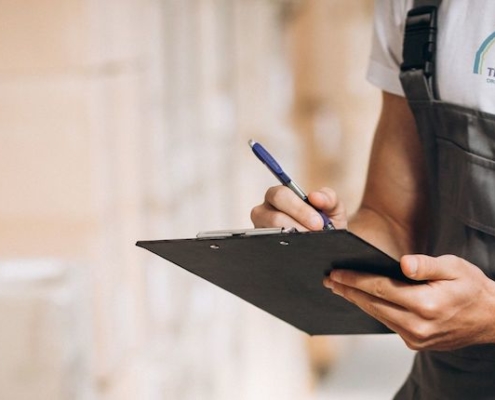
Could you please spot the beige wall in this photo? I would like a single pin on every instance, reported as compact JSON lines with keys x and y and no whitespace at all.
{"x":70,"y":121}
{"x":127,"y":120}
{"x":335,"y":108}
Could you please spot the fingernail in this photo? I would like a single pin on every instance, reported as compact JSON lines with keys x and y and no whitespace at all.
{"x":413,"y":265}
{"x":328,"y":283}
{"x":316,"y":221}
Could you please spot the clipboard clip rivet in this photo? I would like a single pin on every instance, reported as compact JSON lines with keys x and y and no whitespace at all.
{"x":214,"y":246}
{"x":284,"y":243}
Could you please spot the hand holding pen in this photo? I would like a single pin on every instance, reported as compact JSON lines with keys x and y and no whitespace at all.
{"x":279,"y":173}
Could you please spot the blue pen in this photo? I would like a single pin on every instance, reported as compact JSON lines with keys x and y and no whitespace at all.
{"x":284,"y":179}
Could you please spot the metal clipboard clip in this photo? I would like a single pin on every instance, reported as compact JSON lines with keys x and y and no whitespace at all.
{"x":244,"y":232}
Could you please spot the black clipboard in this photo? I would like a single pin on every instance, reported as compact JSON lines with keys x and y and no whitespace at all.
{"x":281,"y":272}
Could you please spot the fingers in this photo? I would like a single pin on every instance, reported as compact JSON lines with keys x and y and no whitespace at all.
{"x":382,"y":297}
{"x":442,"y":313}
{"x":267,"y":216}
{"x":389,"y":313}
{"x":282,"y":207}
{"x":352,"y":284}
{"x":361,"y":288}
{"x":408,"y":310}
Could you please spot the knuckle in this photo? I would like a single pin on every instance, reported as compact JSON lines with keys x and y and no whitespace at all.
{"x":413,"y":345}
{"x":422,"y":332}
{"x":430,"y":309}
{"x":263,"y":216}
{"x":372,"y":309}
{"x":346,"y":292}
{"x":256,"y":213}
{"x":278,"y":219}
{"x":275,"y":195}
{"x":379,"y":289}
{"x":332,"y":194}
{"x":449,"y":258}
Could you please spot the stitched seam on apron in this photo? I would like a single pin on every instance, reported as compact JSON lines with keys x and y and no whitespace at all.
{"x":471,"y":157}
{"x":468,"y":221}
{"x":457,"y":107}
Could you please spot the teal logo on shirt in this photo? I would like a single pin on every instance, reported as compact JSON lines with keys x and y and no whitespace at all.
{"x":484,"y":62}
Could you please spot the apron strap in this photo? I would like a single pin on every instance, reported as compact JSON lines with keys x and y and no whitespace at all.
{"x":420,"y":36}
{"x":422,"y":3}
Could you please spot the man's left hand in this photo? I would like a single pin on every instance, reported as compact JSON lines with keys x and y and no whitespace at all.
{"x":454,"y":307}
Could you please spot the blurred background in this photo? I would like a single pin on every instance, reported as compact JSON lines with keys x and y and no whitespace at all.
{"x":123,"y":120}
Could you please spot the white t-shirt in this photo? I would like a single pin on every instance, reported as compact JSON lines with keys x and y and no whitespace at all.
{"x":465,"y":50}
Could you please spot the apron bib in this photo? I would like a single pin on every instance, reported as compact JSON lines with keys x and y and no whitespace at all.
{"x":459,"y":146}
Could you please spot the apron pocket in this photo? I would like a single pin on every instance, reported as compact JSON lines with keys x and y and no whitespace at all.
{"x":467,"y":186}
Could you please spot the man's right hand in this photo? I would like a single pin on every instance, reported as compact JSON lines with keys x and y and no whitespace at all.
{"x":283,"y":208}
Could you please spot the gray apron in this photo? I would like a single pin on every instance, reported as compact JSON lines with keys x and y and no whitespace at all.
{"x":459,"y":144}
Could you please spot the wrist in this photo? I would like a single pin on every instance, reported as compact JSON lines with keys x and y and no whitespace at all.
{"x":380,"y":231}
{"x":489,"y":336}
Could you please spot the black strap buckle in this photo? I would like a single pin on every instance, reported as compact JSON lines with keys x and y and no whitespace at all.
{"x":420,"y":39}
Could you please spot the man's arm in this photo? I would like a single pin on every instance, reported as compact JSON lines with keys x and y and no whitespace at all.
{"x":393,"y":214}
{"x":393,"y":210}
{"x":455,"y":305}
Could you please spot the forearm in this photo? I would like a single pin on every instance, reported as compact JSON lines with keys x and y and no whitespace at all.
{"x":394,"y":211}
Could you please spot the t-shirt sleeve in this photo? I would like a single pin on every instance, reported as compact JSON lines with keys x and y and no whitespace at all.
{"x":386,"y":51}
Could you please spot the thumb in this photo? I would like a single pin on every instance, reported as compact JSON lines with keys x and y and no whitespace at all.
{"x":424,"y":268}
{"x":326,"y":200}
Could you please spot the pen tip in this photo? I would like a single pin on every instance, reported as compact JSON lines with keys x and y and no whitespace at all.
{"x":251,"y":142}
